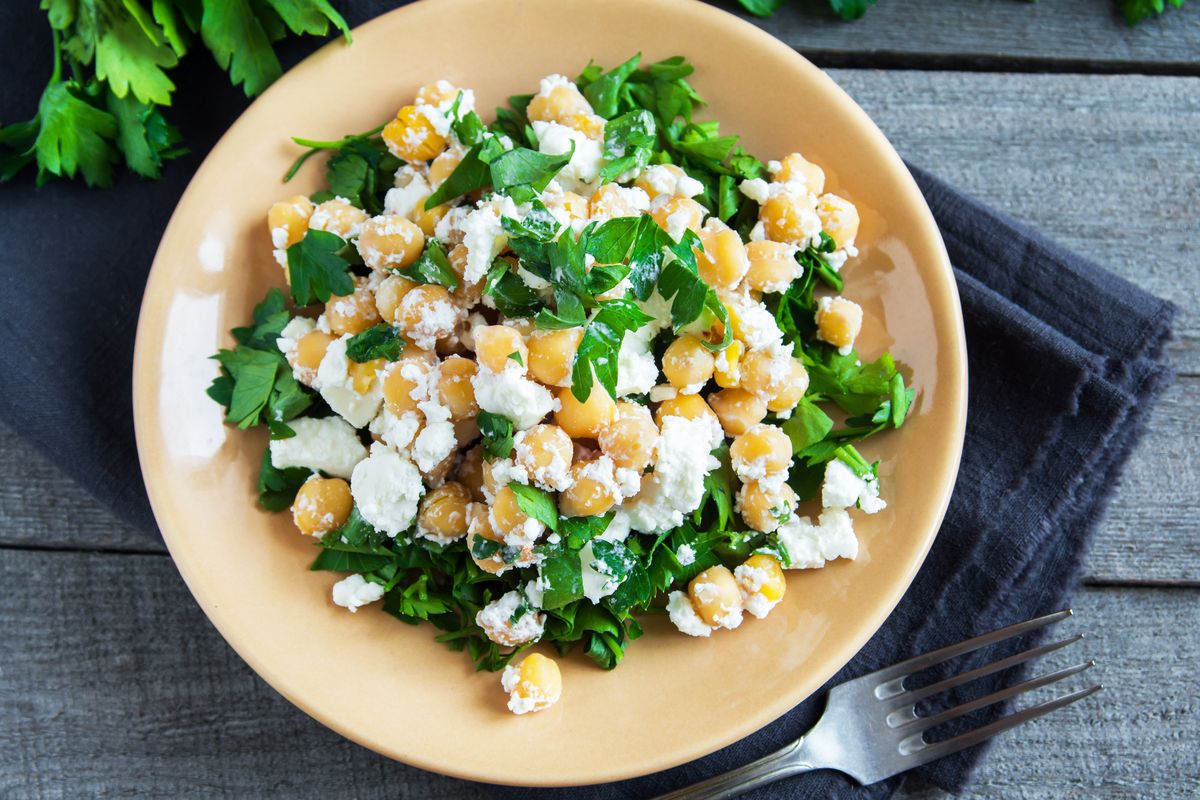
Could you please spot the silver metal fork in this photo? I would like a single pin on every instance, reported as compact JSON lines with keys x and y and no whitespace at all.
{"x":871,"y":730}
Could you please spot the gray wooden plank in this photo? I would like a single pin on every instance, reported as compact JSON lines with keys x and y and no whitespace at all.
{"x":1077,"y":35}
{"x":1107,"y":166}
{"x":114,"y":684}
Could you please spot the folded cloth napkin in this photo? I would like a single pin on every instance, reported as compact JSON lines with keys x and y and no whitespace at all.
{"x":1064,"y":366}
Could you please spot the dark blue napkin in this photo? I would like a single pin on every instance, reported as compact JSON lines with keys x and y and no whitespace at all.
{"x":1065,"y":363}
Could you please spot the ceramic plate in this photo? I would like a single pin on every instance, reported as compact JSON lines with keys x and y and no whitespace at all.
{"x":391,"y":687}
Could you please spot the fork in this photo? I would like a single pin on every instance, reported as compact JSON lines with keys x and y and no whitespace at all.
{"x":871,"y":730}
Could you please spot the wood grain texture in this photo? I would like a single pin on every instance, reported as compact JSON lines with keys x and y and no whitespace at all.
{"x":115,"y":684}
{"x":1076,"y":35}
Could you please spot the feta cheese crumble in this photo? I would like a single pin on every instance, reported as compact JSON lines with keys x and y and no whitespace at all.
{"x":354,"y":592}
{"x":809,"y":546}
{"x":386,"y":487}
{"x":676,"y":486}
{"x":843,"y":488}
{"x":329,"y":444}
{"x":496,"y":621}
{"x":683,"y":615}
{"x":510,"y":394}
{"x":334,"y":382}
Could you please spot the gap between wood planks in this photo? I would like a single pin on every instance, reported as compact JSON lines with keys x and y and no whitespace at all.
{"x":966,"y":62}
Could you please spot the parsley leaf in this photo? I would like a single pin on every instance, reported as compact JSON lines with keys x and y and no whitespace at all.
{"x":629,"y":142}
{"x":562,"y":576}
{"x":597,"y":351}
{"x":316,"y":269}
{"x":239,"y":44}
{"x":143,"y":135}
{"x":432,"y":267}
{"x":74,"y":136}
{"x":521,"y":173}
{"x":497,"y":434}
{"x":380,"y":341}
{"x":277,"y":487}
{"x":132,"y":61}
{"x":851,"y":10}
{"x":602,"y":92}
{"x":536,"y":503}
{"x":471,"y":173}
{"x":512,"y":296}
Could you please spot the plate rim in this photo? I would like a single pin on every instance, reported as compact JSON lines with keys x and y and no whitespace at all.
{"x":142,"y":393}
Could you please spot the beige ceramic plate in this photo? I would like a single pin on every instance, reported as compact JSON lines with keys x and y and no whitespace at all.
{"x":390,"y":686}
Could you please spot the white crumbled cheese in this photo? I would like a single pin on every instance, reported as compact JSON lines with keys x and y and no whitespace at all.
{"x":484,"y":236}
{"x":677,"y":223}
{"x":288,"y":343}
{"x":495,"y":620}
{"x":774,"y":166}
{"x":336,"y":386}
{"x":809,"y":546}
{"x":676,"y":486}
{"x":709,"y":594}
{"x":597,"y":583}
{"x":354,"y":592}
{"x":756,"y":189}
{"x":625,"y":202}
{"x":750,"y":581}
{"x":534,"y":282}
{"x":837,"y":259}
{"x":395,"y":431}
{"x":449,"y":229}
{"x":553,"y":477}
{"x":386,"y":487}
{"x":510,"y":394}
{"x":759,"y":232}
{"x":683,"y":615}
{"x":755,"y":321}
{"x":637,"y":371}
{"x":329,"y":444}
{"x":505,"y":471}
{"x":663,"y":180}
{"x":582,"y":172}
{"x":686,"y":554}
{"x":436,"y":440}
{"x":403,"y":198}
{"x":535,"y":591}
{"x":551,"y":82}
{"x":530,"y":698}
{"x":525,"y":535}
{"x":844,"y":489}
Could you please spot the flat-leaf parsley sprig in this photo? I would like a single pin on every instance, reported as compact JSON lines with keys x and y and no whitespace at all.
{"x":110,"y":81}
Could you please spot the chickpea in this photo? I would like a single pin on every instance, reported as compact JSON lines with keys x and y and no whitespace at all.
{"x":675,"y":214}
{"x":796,"y":168}
{"x":585,"y":420}
{"x":533,"y":685}
{"x":467,"y":295}
{"x":444,"y":511}
{"x":390,"y":241}
{"x":761,"y":574}
{"x":411,"y":136}
{"x":838,"y":321}
{"x":715,"y":596}
{"x":723,"y":262}
{"x":390,"y":293}
{"x":590,"y":125}
{"x":559,"y":103}
{"x":727,"y":370}
{"x":764,"y":373}
{"x":427,"y":314}
{"x":764,"y":507}
{"x":687,"y":364}
{"x":400,"y":380}
{"x":352,"y":313}
{"x":653,"y":188}
{"x":310,"y":351}
{"x":612,"y":200}
{"x":362,"y":376}
{"x":688,"y":406}
{"x":772,"y":266}
{"x":630,"y":440}
{"x":479,"y":526}
{"x":506,"y":515}
{"x":551,"y":355}
{"x":437,"y":94}
{"x":470,"y":472}
{"x":738,"y":410}
{"x":573,"y":205}
{"x":494,"y":344}
{"x":590,"y":493}
{"x":545,"y":452}
{"x":788,"y":217}
{"x":291,"y":216}
{"x":839,"y":218}
{"x":443,"y":167}
{"x":793,"y":389}
{"x":455,"y":388}
{"x":428,"y":221}
{"x":322,"y":505}
{"x":761,"y":451}
{"x":339,"y":217}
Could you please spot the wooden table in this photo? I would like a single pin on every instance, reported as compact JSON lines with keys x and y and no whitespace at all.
{"x":114,"y":683}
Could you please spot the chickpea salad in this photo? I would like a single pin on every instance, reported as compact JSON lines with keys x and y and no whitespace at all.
{"x":534,"y":379}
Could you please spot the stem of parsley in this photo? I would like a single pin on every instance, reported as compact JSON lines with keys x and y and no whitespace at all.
{"x":315,"y":146}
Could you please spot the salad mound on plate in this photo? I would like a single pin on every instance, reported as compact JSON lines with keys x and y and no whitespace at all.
{"x":544,"y":375}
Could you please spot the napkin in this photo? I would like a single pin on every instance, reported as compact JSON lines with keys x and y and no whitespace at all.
{"x":1064,"y":366}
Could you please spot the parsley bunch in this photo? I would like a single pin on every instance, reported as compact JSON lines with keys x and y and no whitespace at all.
{"x":1134,"y":11}
{"x":112,"y":58}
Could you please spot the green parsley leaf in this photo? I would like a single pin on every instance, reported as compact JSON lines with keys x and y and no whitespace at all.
{"x":143,"y":135}
{"x":536,"y":503}
{"x":762,"y":8}
{"x":361,"y":170}
{"x":379,"y":341}
{"x":253,"y":374}
{"x":432,"y":267}
{"x":597,"y":352}
{"x":807,"y":425}
{"x":562,"y":576}
{"x":311,"y":17}
{"x":521,"y":173}
{"x":277,"y":487}
{"x":603,"y":92}
{"x":238,"y":42}
{"x":74,"y":136}
{"x":629,"y":142}
{"x":497,"y":434}
{"x":132,"y":61}
{"x":851,"y":10}
{"x":270,"y":318}
{"x":471,"y":173}
{"x":512,"y":296}
{"x":316,"y":269}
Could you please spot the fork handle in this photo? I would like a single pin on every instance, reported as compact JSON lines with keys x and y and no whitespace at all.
{"x":768,"y":769}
